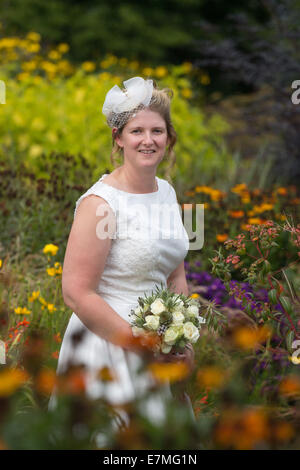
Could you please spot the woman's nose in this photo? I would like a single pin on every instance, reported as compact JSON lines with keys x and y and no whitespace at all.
{"x":147,"y":138}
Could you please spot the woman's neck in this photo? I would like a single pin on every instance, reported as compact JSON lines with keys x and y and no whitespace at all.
{"x":135,"y":181}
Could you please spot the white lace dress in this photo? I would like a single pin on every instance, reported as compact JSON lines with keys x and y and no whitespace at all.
{"x":148,"y":245}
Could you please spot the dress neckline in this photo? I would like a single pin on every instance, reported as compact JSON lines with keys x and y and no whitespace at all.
{"x":127,"y":192}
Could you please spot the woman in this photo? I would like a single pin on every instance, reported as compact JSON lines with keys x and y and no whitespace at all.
{"x":117,"y":250}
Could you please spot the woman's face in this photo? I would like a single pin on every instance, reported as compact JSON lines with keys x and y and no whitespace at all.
{"x":144,"y":139}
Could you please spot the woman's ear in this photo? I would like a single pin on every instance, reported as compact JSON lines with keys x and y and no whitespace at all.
{"x":117,"y":137}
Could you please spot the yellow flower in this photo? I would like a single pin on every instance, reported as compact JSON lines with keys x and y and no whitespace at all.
{"x":282,"y":191}
{"x":11,"y":380}
{"x":51,"y":308}
{"x":51,"y":271}
{"x":35,"y":295}
{"x":161,"y":71}
{"x":239,"y":188}
{"x":35,"y":150}
{"x":63,"y":47}
{"x":205,"y":79}
{"x":33,"y":47}
{"x":194,"y":296}
{"x":255,"y":221}
{"x":187,"y":67}
{"x":58,"y":268}
{"x":147,"y":71}
{"x":42,"y":301}
{"x":0,"y":263}
{"x":33,"y":36}
{"x":88,"y":66}
{"x":54,"y":55}
{"x":50,"y":248}
{"x":186,"y":93}
{"x":22,"y":311}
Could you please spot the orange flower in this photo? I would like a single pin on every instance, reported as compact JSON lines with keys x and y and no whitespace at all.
{"x":168,"y":372}
{"x":236,"y":214}
{"x":211,"y":377}
{"x":248,"y":338}
{"x":290,"y":386}
{"x":55,"y":354}
{"x":283,"y":431}
{"x":11,"y":380}
{"x":282,"y":191}
{"x":222,"y":237}
{"x":45,"y":381}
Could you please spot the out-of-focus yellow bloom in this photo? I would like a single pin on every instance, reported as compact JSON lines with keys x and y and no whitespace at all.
{"x":134,"y":65}
{"x":187,"y":67}
{"x":205,"y":79}
{"x":248,"y":338}
{"x":23,"y":76}
{"x":33,"y":47}
{"x":88,"y":66}
{"x":161,"y":71}
{"x":54,"y":55}
{"x":222,"y":237}
{"x":169,"y":372}
{"x":35,"y":150}
{"x":22,"y":311}
{"x":51,"y":271}
{"x":50,"y":248}
{"x":29,"y":66}
{"x":33,"y":36}
{"x":105,"y":76}
{"x":63,"y":48}
{"x":123,"y":62}
{"x":38,"y":124}
{"x":186,"y":93}
{"x":0,"y":263}
{"x":147,"y":71}
{"x":35,"y":295}
{"x":194,"y":295}
{"x":11,"y":380}
{"x":262,"y":208}
{"x":51,"y":308}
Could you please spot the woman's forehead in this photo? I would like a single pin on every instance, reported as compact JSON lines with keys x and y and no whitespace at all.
{"x":146,"y":117}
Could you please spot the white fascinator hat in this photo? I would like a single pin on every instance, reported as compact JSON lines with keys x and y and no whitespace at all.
{"x":120,"y":105}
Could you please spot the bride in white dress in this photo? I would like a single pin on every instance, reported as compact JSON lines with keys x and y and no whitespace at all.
{"x":120,"y":247}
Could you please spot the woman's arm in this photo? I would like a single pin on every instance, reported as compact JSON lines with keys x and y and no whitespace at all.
{"x":177,"y":280}
{"x":84,"y":263}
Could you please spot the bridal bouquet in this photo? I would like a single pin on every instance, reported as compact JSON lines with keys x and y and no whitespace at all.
{"x":173,"y":318}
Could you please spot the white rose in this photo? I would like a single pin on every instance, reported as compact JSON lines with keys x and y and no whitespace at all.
{"x":178,"y":318}
{"x":191,"y":332}
{"x":171,"y":335}
{"x":138,"y":311}
{"x":179,"y":304}
{"x":166,"y":348}
{"x":157,"y":306}
{"x":193,"y":310}
{"x":136,"y":331}
{"x":152,"y":322}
